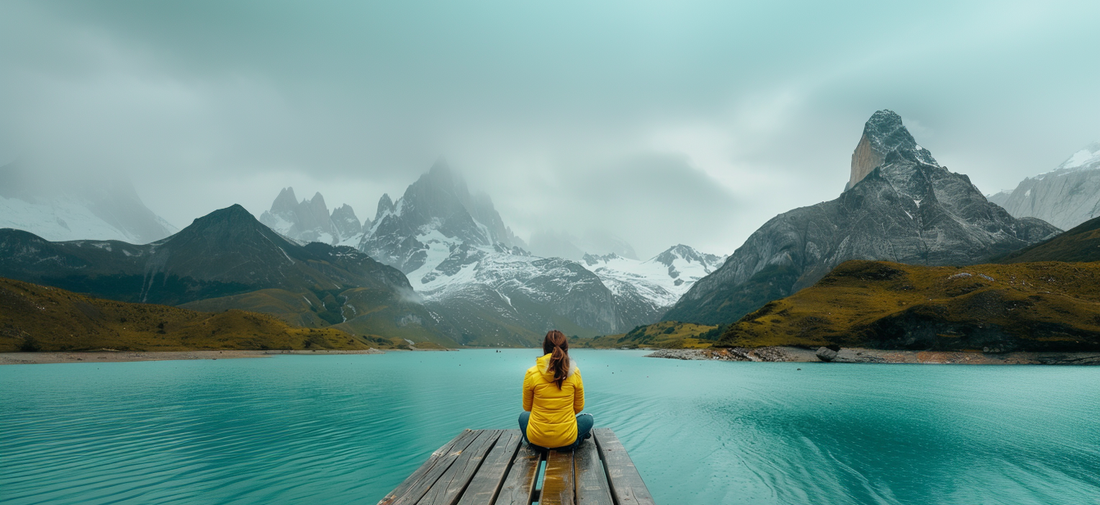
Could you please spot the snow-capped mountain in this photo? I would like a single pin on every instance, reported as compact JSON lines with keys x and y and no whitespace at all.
{"x":310,"y":221}
{"x":76,"y":209}
{"x":472,"y":270}
{"x":1065,"y":197}
{"x":654,"y":284}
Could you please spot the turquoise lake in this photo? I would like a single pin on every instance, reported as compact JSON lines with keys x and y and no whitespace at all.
{"x":344,"y":429}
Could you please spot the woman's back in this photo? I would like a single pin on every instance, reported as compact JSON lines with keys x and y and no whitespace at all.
{"x":553,"y":410}
{"x":553,"y":396}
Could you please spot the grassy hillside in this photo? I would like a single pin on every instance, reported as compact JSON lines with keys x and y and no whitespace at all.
{"x":1082,"y":243}
{"x":359,"y":311}
{"x":666,"y":335}
{"x":295,"y":309}
{"x":34,"y":317}
{"x":1047,"y":306}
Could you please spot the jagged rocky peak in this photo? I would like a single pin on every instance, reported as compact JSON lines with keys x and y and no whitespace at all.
{"x":345,"y":221}
{"x":883,"y":134}
{"x":688,"y":254}
{"x":313,"y":215}
{"x":438,"y":204}
{"x":286,"y":203}
{"x":310,"y":221}
{"x":385,"y":206}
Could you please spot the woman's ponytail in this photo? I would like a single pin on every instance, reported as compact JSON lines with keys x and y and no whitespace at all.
{"x":557,"y":347}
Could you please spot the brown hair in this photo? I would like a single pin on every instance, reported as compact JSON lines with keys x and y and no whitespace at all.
{"x":557,"y":347}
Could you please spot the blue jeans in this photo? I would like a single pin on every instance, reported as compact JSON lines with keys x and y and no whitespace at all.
{"x":584,"y":429}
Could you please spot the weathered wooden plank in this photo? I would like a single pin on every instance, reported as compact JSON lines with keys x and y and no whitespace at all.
{"x":488,"y":480}
{"x":557,"y":482}
{"x":419,"y":482}
{"x":449,"y":486}
{"x":519,"y":485}
{"x":592,"y":487}
{"x":627,"y":487}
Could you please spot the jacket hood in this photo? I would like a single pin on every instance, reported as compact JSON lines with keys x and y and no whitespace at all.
{"x":543,"y":365}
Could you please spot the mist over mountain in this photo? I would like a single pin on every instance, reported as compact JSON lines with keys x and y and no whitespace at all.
{"x":475,"y":273}
{"x":899,"y":205}
{"x":565,"y":245}
{"x":1065,"y":197}
{"x":75,"y":207}
{"x":471,"y":269}
{"x":437,"y":206}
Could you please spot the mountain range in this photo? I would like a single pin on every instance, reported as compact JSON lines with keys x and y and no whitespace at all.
{"x":439,"y":264}
{"x":229,"y":260}
{"x":1065,"y":197}
{"x":899,"y":205}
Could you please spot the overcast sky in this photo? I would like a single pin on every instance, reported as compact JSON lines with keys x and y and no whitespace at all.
{"x":659,"y":122}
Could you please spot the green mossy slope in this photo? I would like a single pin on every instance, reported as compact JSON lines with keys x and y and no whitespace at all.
{"x":664,"y":335}
{"x":34,"y":317}
{"x":1048,"y":306}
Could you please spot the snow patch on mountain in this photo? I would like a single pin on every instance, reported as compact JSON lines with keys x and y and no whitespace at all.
{"x":663,"y":279}
{"x":1065,"y":197}
{"x":1087,"y":158}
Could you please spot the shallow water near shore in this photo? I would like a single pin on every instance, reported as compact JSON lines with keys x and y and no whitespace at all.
{"x":341,"y":429}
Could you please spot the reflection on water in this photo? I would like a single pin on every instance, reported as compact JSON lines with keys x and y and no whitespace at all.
{"x":340,"y":429}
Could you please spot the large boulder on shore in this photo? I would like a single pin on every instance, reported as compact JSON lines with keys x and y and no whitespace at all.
{"x":825,"y":354}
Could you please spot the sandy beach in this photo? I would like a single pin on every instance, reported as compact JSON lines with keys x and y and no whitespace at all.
{"x":107,"y":356}
{"x":860,"y":355}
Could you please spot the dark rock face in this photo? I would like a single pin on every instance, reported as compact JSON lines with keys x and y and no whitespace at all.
{"x":907,"y":209}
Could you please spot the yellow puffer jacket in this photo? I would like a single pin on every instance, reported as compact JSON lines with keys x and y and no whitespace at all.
{"x":553,"y":411}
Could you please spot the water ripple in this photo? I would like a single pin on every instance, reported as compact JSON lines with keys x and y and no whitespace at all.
{"x":338,"y":429}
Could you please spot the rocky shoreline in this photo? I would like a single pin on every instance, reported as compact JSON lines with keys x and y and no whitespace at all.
{"x":860,"y":355}
{"x":111,"y":356}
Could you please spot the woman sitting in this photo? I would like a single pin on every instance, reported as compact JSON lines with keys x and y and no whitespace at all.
{"x":553,"y":396}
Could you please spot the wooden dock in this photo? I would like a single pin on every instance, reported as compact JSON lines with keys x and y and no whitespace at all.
{"x":494,"y":467}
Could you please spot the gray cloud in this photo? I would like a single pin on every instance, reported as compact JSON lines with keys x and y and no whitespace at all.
{"x":688,"y":122}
